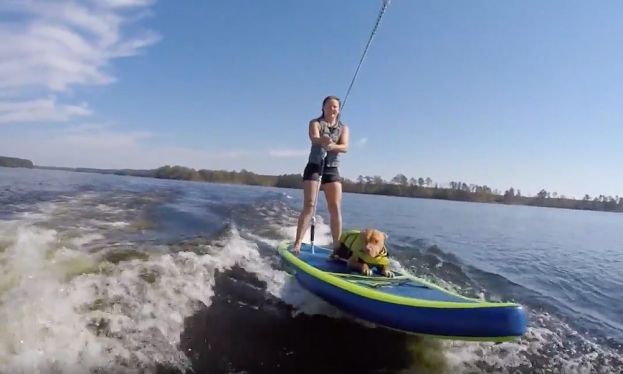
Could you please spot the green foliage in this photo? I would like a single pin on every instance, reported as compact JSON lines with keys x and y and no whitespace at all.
{"x":400,"y":185}
{"x":12,"y":162}
{"x":233,"y":177}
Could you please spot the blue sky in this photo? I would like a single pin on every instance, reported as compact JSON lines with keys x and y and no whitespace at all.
{"x":516,"y":93}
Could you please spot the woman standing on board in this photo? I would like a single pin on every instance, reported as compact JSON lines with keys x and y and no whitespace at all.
{"x":329,"y":138}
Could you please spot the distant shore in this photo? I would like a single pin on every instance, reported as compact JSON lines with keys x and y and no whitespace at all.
{"x":13,"y":162}
{"x":399,"y":186}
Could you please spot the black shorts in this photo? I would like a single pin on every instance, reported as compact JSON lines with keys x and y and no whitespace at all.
{"x":329,"y":174}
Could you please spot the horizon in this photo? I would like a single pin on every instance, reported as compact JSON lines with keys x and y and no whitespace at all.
{"x":520,"y":95}
{"x":410,"y":181}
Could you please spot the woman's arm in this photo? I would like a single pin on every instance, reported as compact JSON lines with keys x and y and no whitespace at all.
{"x":314,"y":134}
{"x":342,"y":143}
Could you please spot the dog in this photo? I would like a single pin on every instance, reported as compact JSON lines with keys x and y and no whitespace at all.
{"x":363,"y":250}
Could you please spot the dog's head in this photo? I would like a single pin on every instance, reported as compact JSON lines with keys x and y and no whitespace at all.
{"x":374,"y":241}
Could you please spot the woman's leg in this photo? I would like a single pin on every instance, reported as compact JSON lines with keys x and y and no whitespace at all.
{"x":333,"y":193}
{"x":309,"y":201}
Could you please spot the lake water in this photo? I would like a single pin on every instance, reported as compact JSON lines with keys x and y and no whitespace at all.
{"x":109,"y":273}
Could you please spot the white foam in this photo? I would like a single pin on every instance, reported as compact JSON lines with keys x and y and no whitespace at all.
{"x":44,"y":319}
{"x":51,"y":308}
{"x":125,"y":317}
{"x":279,"y":283}
{"x":322,"y":233}
{"x":38,"y":328}
{"x":105,"y":224}
{"x":291,"y":292}
{"x":32,"y":216}
{"x":85,"y":239}
{"x":541,"y":349}
{"x":285,"y":286}
{"x":109,"y":209}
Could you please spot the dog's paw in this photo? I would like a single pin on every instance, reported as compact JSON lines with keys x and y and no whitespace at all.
{"x":366,"y":270}
{"x":389,"y":274}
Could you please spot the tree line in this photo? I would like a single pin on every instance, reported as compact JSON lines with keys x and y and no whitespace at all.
{"x":400,"y":185}
{"x":13,"y":162}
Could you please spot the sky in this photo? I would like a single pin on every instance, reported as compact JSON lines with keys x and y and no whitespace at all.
{"x":524,"y":94}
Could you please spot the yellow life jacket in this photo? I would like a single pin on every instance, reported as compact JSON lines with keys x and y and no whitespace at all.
{"x":352,"y":241}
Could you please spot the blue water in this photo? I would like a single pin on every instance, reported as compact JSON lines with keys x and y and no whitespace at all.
{"x":104,"y":272}
{"x":572,"y":257}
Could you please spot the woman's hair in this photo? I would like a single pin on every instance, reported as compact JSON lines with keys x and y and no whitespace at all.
{"x":327,"y":99}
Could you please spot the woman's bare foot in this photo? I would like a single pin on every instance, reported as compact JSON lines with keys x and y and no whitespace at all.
{"x":296,"y":248}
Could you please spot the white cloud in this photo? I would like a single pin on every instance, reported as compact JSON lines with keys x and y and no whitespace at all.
{"x":39,"y":110}
{"x":123,"y":3}
{"x":287,"y":153}
{"x":101,"y":146}
{"x":50,"y":46}
{"x":102,"y":141}
{"x":361,"y":142}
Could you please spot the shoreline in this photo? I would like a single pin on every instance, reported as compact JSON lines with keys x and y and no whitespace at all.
{"x":373,"y":186}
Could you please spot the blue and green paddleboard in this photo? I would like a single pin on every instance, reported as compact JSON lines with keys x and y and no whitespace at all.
{"x":404,"y":302}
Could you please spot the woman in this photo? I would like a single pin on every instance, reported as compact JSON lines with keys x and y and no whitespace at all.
{"x":329,"y":138}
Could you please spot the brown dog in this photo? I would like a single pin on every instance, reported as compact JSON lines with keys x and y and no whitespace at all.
{"x":363,"y":250}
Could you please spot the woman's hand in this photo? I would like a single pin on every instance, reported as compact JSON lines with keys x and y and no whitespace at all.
{"x":330,"y":147}
{"x":325,"y":140}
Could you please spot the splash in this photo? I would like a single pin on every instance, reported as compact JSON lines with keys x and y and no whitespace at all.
{"x":64,"y":309}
